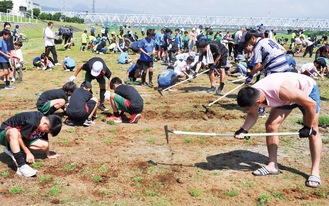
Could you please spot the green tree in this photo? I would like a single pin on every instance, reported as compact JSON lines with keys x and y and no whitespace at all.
{"x":4,"y":5}
{"x":36,"y":12}
{"x":57,"y":16}
{"x":45,"y":16}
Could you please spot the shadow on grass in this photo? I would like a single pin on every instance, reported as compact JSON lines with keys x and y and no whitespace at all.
{"x":241,"y":160}
{"x":5,"y":159}
{"x":324,"y":99}
{"x":194,"y":89}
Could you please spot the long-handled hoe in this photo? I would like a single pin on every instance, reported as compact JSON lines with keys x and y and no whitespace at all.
{"x":167,"y":88}
{"x":210,"y":104}
{"x":246,"y":136}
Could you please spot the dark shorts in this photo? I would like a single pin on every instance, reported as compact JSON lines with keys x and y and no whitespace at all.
{"x":158,"y":47}
{"x":146,"y":65}
{"x":222,"y":62}
{"x":89,"y":78}
{"x":4,"y":65}
{"x":165,"y":47}
{"x":315,"y":95}
{"x":70,"y":68}
{"x":83,"y":115}
{"x":90,"y":105}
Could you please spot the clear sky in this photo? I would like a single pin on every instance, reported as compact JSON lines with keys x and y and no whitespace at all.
{"x":241,"y":8}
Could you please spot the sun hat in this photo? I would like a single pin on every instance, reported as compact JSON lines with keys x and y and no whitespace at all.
{"x":96,"y":68}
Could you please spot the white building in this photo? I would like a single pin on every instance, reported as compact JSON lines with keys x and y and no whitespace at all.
{"x":21,"y":6}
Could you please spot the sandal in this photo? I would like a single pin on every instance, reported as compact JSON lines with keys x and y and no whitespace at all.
{"x":313,"y":178}
{"x":263,"y":171}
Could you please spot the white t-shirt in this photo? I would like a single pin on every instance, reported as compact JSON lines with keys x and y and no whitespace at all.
{"x":180,"y":67}
{"x":237,"y":37}
{"x":19,"y":54}
{"x":49,"y":33}
{"x":307,"y":66}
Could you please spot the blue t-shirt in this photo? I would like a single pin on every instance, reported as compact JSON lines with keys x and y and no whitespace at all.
{"x":123,"y":57}
{"x":165,"y":77}
{"x":132,"y":68}
{"x":166,"y":37}
{"x":148,"y":46}
{"x":178,"y":39}
{"x":158,"y":38}
{"x":4,"y":49}
{"x":69,"y":62}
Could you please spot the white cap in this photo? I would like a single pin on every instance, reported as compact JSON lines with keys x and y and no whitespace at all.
{"x":96,"y":68}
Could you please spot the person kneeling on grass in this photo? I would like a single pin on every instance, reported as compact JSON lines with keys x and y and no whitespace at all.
{"x":28,"y":131}
{"x":82,"y":107}
{"x":134,"y":72}
{"x":52,"y":100}
{"x":68,"y":64}
{"x":285,"y":92}
{"x":167,"y":78}
{"x":125,"y":98}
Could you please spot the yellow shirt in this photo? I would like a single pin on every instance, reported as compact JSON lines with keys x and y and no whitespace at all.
{"x":84,"y":37}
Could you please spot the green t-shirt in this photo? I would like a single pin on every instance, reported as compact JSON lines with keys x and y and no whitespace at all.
{"x":185,"y":39}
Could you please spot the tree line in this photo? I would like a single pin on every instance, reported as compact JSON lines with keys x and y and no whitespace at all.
{"x":8,"y":5}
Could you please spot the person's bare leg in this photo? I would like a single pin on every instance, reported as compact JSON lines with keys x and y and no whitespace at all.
{"x":94,"y":111}
{"x":212,"y":78}
{"x":315,"y":144}
{"x":275,"y":119}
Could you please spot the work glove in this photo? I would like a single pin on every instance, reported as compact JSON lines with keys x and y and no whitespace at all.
{"x":249,"y":78}
{"x":107,"y":95}
{"x":72,"y":78}
{"x":306,"y":131}
{"x":241,"y":130}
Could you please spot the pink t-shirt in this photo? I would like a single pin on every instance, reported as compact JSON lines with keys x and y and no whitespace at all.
{"x":272,"y":83}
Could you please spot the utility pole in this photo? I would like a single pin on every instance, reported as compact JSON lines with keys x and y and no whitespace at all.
{"x":93,"y":7}
{"x":62,"y":6}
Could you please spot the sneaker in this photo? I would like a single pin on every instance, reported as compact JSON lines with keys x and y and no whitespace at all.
{"x":6,"y":150}
{"x":57,"y":64}
{"x":150,"y":84}
{"x":114,"y":119}
{"x":69,"y":123}
{"x":13,"y":79}
{"x":261,"y":112}
{"x":102,"y":107}
{"x":9,"y":87}
{"x":67,"y":70}
{"x":26,"y":171}
{"x":219,"y":92}
{"x":144,"y":84}
{"x":87,"y":122}
{"x":134,"y":118}
{"x":100,"y":53}
{"x":212,"y":89}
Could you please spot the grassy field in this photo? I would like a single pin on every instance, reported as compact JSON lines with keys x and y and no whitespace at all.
{"x":131,"y":164}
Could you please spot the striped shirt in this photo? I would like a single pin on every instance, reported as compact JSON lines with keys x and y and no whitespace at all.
{"x":270,"y":55}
